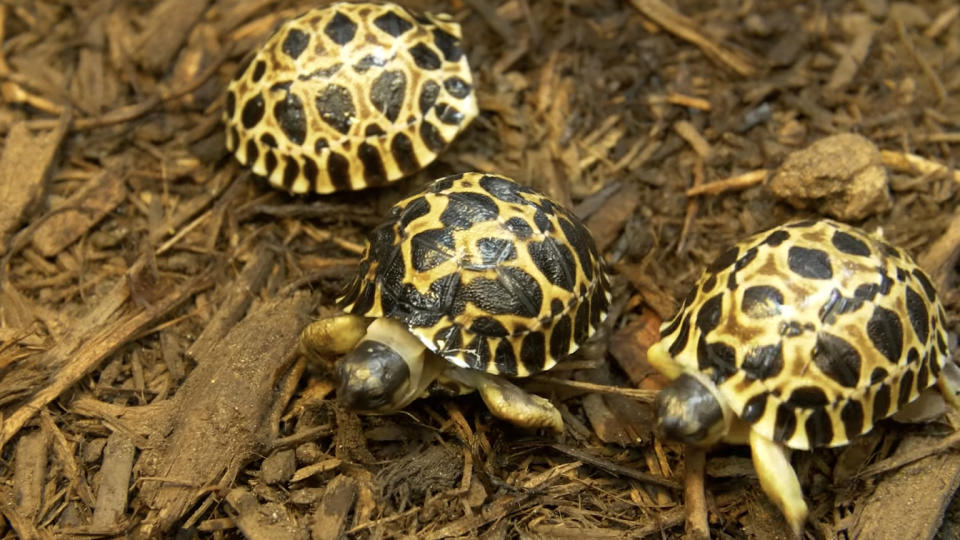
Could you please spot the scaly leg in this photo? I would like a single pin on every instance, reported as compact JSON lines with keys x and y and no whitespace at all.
{"x":507,"y":401}
{"x":778,"y":479}
{"x":333,"y":336}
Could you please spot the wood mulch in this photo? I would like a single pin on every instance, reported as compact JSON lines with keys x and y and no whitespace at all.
{"x":152,"y":291}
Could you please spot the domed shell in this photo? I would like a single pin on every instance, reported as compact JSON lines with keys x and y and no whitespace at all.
{"x":812,"y":331}
{"x":487,"y":273}
{"x":350,"y":96}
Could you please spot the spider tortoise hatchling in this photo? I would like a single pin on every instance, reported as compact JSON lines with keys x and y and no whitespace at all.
{"x":350,"y":96}
{"x":473,"y":280}
{"x":800,"y":337}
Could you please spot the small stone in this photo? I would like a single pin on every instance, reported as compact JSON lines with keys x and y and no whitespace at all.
{"x":308,"y":453}
{"x":841,"y":175}
{"x":279,"y":467}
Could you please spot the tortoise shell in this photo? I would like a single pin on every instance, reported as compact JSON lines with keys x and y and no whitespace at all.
{"x":812,"y":332}
{"x":486,"y":273}
{"x":350,"y":96}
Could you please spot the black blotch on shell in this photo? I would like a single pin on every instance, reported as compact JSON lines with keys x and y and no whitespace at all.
{"x":428,"y":96}
{"x":431,"y":136}
{"x":252,"y":112}
{"x":852,"y":417}
{"x":387,"y":93}
{"x":259,"y":70}
{"x":849,"y":244}
{"x":754,"y":408}
{"x":291,"y":170}
{"x":555,"y":261}
{"x":503,"y":189}
{"x":424,"y":57}
{"x":837,"y":359}
{"x":431,"y":248}
{"x":290,"y":117}
{"x":533,"y":352}
{"x":374,"y":173}
{"x":338,"y":167}
{"x":717,"y":359}
{"x":448,"y":114}
{"x":917,"y":313}
{"x":886,"y":333}
{"x":253,"y":152}
{"x":392,"y":24}
{"x":311,"y":172}
{"x":923,"y":377}
{"x":414,"y":209}
{"x":709,"y":284}
{"x":335,"y":106}
{"x":761,"y":301}
{"x":560,"y":337}
{"x":457,"y":87}
{"x":340,"y":29}
{"x":906,"y":388}
{"x":928,"y":288}
{"x":477,"y":353}
{"x":776,"y":238}
{"x":513,"y":292}
{"x":494,"y":251}
{"x":806,"y":397}
{"x":448,"y":45}
{"x":270,"y":162}
{"x":230,"y":104}
{"x":466,"y":209}
{"x":519,"y":227}
{"x":724,"y":260}
{"x":295,"y":43}
{"x":682,"y":337}
{"x":809,"y":263}
{"x":819,"y":428}
{"x":881,"y":403}
{"x":785,"y":423}
{"x":762,"y":362}
{"x":708,"y":316}
{"x":505,"y":359}
{"x":489,"y":327}
{"x":401,"y":148}
{"x":581,"y":324}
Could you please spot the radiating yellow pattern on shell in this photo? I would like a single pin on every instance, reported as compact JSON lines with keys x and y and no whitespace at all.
{"x":350,"y":96}
{"x":812,"y":332}
{"x":486,"y":273}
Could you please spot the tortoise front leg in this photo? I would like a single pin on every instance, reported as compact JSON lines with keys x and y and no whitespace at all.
{"x":778,"y":479}
{"x":333,"y":336}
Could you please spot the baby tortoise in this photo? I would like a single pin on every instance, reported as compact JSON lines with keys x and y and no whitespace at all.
{"x":800,"y":337}
{"x":350,"y":96}
{"x":471,"y":281}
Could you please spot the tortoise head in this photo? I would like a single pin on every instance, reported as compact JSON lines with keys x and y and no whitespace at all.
{"x":386,"y":370}
{"x":690,"y":411}
{"x":372,"y":377}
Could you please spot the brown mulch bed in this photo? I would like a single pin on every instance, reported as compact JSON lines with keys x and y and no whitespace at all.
{"x":152,"y":290}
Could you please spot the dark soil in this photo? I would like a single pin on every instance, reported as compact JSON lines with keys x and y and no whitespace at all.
{"x":152,"y":290}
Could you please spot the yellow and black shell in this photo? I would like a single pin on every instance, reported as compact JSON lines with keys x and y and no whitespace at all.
{"x":349,"y":96}
{"x":812,"y":332}
{"x":486,"y":273}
